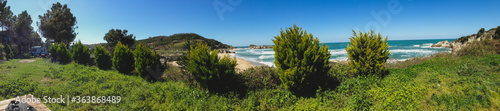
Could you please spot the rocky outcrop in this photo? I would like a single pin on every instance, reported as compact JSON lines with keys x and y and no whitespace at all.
{"x":465,"y":41}
{"x":225,"y":51}
{"x":444,"y":44}
{"x":260,"y":47}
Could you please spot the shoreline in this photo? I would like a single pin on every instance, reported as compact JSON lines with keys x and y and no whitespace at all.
{"x":241,"y":64}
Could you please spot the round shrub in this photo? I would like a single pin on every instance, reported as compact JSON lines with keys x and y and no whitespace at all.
{"x":102,"y":58}
{"x":210,"y":71}
{"x":145,"y":59}
{"x":367,"y":54}
{"x":123,"y":59}
{"x":301,"y":63}
{"x":63,"y":54}
{"x":81,"y":54}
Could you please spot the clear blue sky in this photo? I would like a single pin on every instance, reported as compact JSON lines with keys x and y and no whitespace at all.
{"x":258,"y":21}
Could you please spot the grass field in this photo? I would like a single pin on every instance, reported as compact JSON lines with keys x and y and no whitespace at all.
{"x":445,"y":82}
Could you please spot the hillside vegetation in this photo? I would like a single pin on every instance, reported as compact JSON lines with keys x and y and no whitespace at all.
{"x":445,"y":82}
{"x":176,"y":42}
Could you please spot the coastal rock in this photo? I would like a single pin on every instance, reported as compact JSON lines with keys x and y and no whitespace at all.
{"x":260,"y":47}
{"x":225,"y":51}
{"x":465,"y":41}
{"x":444,"y":44}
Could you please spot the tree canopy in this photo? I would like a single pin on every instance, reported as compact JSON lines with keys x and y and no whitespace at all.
{"x":117,"y":35}
{"x":58,"y":24}
{"x":5,"y":14}
{"x":22,"y":31}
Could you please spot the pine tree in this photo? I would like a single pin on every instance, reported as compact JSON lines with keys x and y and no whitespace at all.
{"x":63,"y":54}
{"x":123,"y":59}
{"x":102,"y":58}
{"x":81,"y":54}
{"x":209,"y":70}
{"x":146,"y":59}
{"x":302,"y":64}
{"x":367,"y":53}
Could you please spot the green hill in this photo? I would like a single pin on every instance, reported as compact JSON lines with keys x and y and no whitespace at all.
{"x":176,"y":41}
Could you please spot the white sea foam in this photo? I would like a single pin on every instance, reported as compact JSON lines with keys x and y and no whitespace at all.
{"x":266,"y":56}
{"x":268,"y":64}
{"x":338,"y":52}
{"x":410,"y":51}
{"x":339,"y":58}
{"x":416,"y":45}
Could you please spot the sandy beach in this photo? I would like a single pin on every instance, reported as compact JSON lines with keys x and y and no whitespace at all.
{"x":241,"y":64}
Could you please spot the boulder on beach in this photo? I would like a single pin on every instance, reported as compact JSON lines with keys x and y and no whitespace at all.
{"x":444,"y":44}
{"x":260,"y":47}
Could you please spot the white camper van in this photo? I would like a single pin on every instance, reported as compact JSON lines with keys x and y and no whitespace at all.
{"x":39,"y":51}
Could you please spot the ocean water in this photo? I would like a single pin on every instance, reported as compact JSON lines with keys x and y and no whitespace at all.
{"x":400,"y":50}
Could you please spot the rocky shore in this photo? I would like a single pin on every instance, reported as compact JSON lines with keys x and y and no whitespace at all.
{"x":260,"y":47}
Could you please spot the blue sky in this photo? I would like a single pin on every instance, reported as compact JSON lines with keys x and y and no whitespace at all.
{"x":247,"y":22}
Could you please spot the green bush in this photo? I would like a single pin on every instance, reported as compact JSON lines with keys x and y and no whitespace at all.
{"x":63,"y":54}
{"x":81,"y":54}
{"x":53,"y":52}
{"x":302,"y":64}
{"x":102,"y":58}
{"x":496,"y":35}
{"x":2,"y":53}
{"x":480,"y":32}
{"x":123,"y":59}
{"x":259,"y":78}
{"x":9,"y":52}
{"x":211,"y":72}
{"x":145,"y":59}
{"x":367,"y":54}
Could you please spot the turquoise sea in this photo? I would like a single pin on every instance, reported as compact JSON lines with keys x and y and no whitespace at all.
{"x":400,"y":50}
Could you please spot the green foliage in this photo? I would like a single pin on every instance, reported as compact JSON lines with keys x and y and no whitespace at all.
{"x":63,"y":54}
{"x":187,"y":45}
{"x":395,"y":95}
{"x":102,"y":58}
{"x":58,"y":24}
{"x":496,"y":35}
{"x":177,"y":42}
{"x":145,"y":59}
{"x":5,"y":14}
{"x":117,"y":35}
{"x":123,"y":59}
{"x":53,"y":52}
{"x":481,"y":48}
{"x":210,"y":71}
{"x":22,"y":32}
{"x":439,"y":83}
{"x":260,"y":78}
{"x":367,"y":54}
{"x":302,"y":64}
{"x":81,"y":54}
{"x":17,"y":87}
{"x":480,"y":32}
{"x":9,"y":52}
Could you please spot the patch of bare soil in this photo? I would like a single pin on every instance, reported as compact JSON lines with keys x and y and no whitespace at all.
{"x":26,"y":61}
